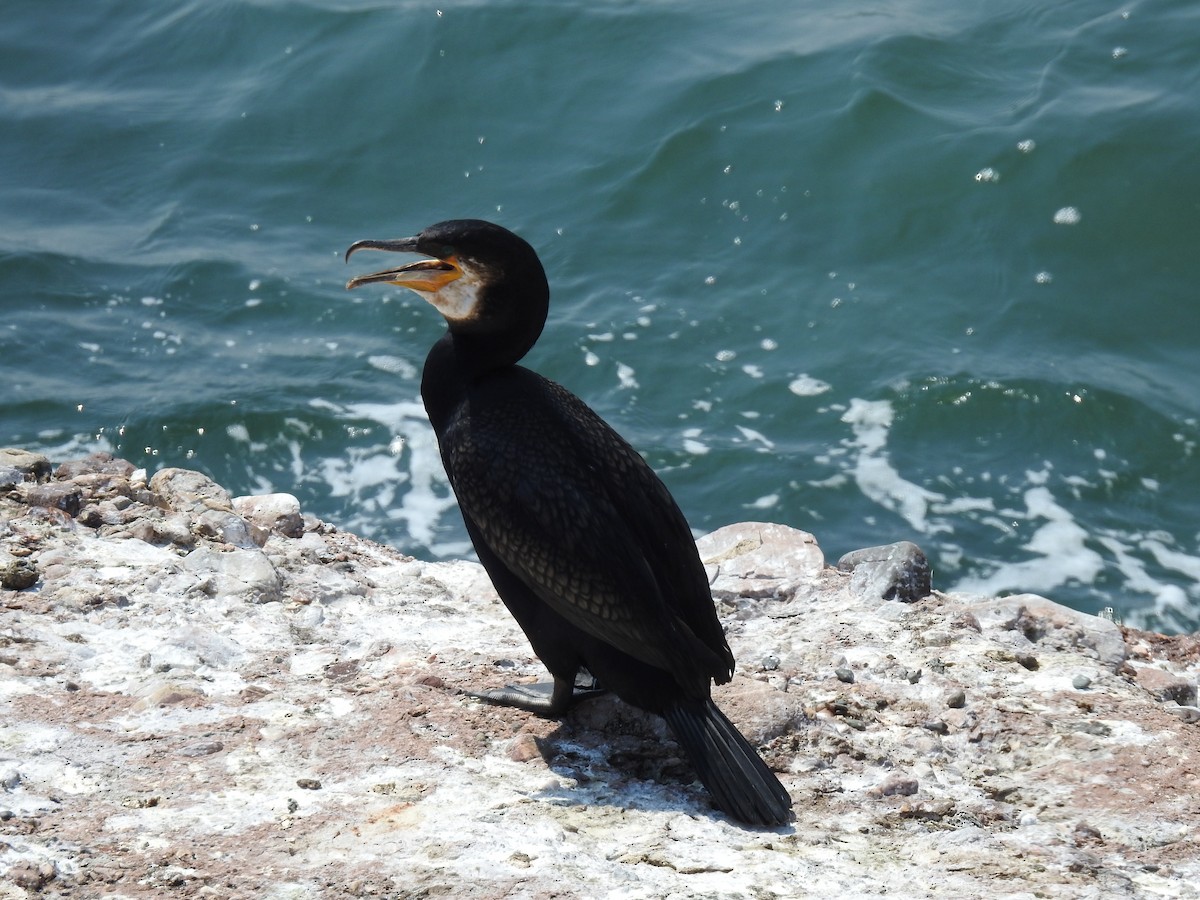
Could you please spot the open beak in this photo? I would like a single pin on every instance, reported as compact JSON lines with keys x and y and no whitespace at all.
{"x":425,"y":275}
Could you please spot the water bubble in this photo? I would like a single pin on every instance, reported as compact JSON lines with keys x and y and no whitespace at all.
{"x":987,"y":175}
{"x":1043,"y":277}
{"x":1068,"y":215}
{"x":725,"y":355}
{"x":1119,"y":52}
{"x":807,"y":386}
{"x":778,"y":105}
{"x":1026,"y":146}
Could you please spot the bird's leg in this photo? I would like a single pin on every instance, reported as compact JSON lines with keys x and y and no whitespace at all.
{"x":548,"y":699}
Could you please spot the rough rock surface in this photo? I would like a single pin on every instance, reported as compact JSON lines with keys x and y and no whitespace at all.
{"x":204,"y":696}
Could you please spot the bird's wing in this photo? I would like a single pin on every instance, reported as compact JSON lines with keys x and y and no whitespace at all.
{"x":571,"y":513}
{"x":659,"y":529}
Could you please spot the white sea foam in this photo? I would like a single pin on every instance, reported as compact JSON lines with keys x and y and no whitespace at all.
{"x":807,"y":386}
{"x":400,"y":478}
{"x":394,"y":365}
{"x":757,"y":436}
{"x":876,"y":477}
{"x":691,"y":444}
{"x":1058,"y":548}
{"x":1058,"y":551}
{"x":766,"y":502}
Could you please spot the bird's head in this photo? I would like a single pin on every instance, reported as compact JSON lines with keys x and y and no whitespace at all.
{"x":482,"y":278}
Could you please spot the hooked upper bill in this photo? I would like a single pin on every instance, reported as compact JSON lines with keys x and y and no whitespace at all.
{"x":425,"y":275}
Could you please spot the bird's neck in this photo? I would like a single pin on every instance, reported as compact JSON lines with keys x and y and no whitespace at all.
{"x":454,"y":364}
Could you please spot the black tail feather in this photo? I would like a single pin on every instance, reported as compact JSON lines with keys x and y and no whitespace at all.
{"x":739,"y":781}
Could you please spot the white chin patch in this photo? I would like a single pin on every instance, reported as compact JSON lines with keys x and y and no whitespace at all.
{"x":459,"y":300}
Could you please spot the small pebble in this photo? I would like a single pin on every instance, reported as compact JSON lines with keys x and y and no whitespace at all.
{"x":957,"y":700}
{"x":1189,"y":714}
{"x":896,"y":786}
{"x":1081,"y":682}
{"x":770,"y":662}
{"x":18,"y":575}
{"x":204,"y":748}
{"x":524,"y":748}
{"x":913,"y":676}
{"x":309,"y":784}
{"x":844,"y":674}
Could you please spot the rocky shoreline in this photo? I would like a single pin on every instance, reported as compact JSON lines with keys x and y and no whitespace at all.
{"x":206,"y":696}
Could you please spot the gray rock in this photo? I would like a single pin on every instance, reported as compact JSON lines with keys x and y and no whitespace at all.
{"x":246,"y":574}
{"x":1189,"y":714}
{"x":897,"y":571}
{"x":17,"y":574}
{"x":1030,"y":620}
{"x":97,"y":464}
{"x":183,"y":490}
{"x":1167,"y":686}
{"x":65,"y":497}
{"x":32,"y":466}
{"x":228,"y":528}
{"x":757,"y":559}
{"x":279,"y":513}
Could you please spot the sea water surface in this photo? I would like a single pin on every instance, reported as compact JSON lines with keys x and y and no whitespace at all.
{"x":878,"y":270}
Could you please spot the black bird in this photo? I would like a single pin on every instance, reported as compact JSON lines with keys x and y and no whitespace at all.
{"x":583,"y":542}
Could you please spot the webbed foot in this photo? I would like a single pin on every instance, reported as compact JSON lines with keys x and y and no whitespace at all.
{"x":543,"y":698}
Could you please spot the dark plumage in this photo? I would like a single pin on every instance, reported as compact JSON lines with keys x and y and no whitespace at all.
{"x":582,"y":541}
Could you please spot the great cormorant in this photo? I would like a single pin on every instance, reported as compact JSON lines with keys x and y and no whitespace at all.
{"x":582,"y":540}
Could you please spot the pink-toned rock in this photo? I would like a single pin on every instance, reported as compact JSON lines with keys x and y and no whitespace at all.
{"x":165,"y":729}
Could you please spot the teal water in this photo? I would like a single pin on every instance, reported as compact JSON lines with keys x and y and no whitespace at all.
{"x":881,"y":271}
